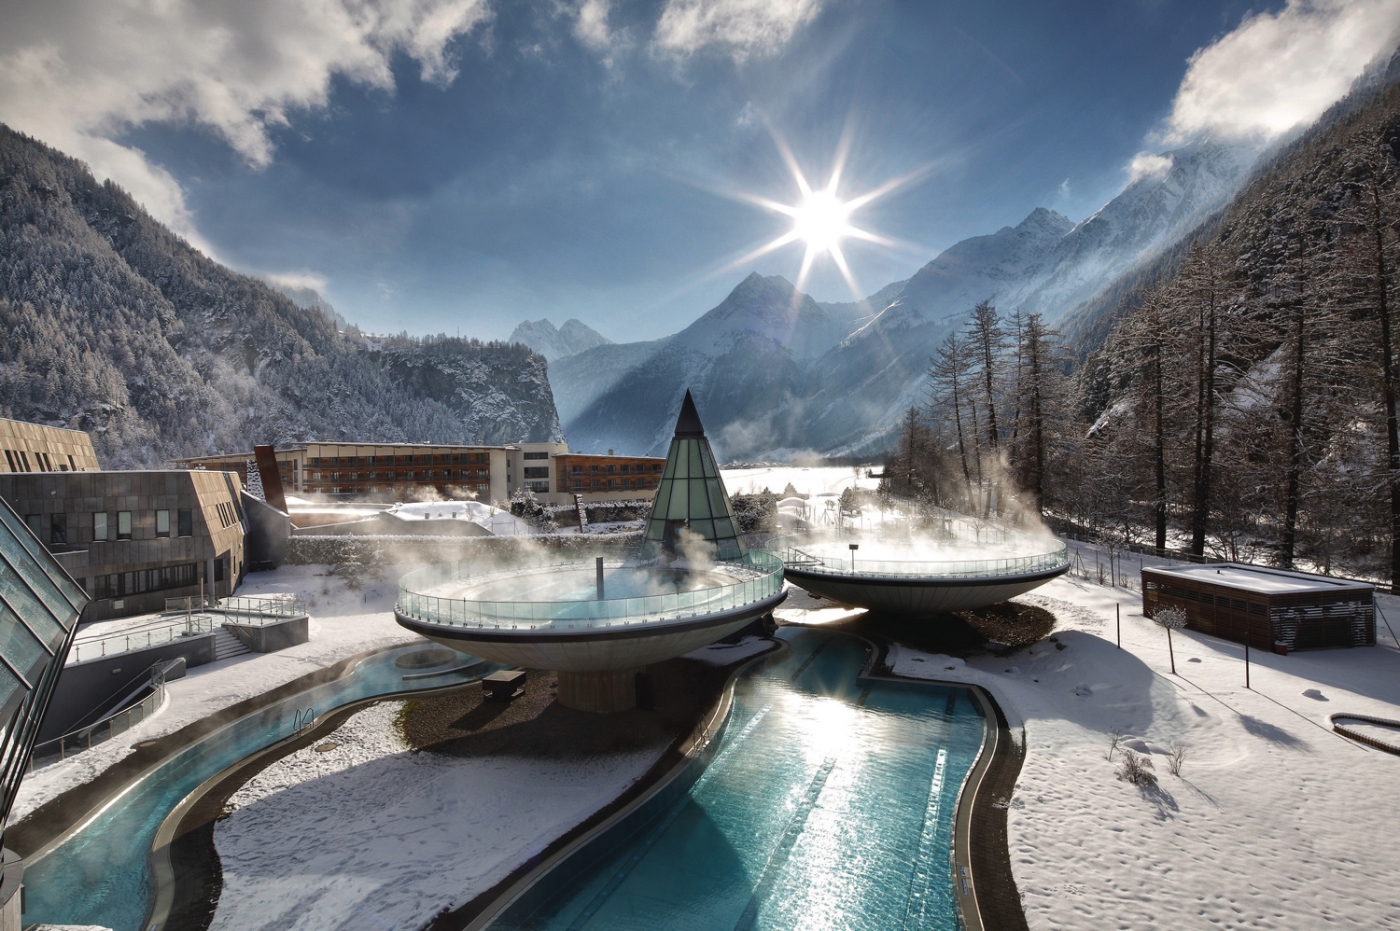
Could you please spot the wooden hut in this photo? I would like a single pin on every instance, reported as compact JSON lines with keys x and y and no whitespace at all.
{"x":1280,"y":610}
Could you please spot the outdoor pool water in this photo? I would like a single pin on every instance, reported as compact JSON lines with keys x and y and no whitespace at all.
{"x":829,"y":804}
{"x":582,"y":584}
{"x":101,"y":874}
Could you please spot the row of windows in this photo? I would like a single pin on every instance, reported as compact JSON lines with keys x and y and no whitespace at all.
{"x":227,"y":515}
{"x":480,"y":488}
{"x":121,"y":584}
{"x":536,"y":455}
{"x":455,"y":458}
{"x":391,"y":476}
{"x":104,"y":528}
{"x":639,"y":467}
{"x":599,"y":484}
{"x":18,"y":461}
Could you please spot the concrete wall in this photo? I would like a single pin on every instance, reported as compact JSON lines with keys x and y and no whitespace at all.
{"x":269,"y":533}
{"x":272,"y":637}
{"x":82,"y":687}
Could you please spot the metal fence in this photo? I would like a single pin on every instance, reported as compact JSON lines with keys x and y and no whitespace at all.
{"x":257,"y":610}
{"x":193,"y":625}
{"x":185,"y":603}
{"x":853,"y":565}
{"x":60,"y":748}
{"x":756,"y":576}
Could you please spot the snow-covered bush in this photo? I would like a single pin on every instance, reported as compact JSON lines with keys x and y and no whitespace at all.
{"x":1115,"y":737}
{"x":1137,"y":769}
{"x":1177,"y":757}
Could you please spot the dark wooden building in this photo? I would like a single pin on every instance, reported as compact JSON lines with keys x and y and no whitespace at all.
{"x":1280,"y":610}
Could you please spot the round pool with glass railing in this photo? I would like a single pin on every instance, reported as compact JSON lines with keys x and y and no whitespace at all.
{"x":923,"y":579}
{"x":568,"y":616}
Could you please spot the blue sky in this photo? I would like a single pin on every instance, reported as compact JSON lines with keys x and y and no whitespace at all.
{"x":460,"y":165}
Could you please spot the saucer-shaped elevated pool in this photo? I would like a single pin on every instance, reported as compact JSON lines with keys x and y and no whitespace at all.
{"x":927,"y":578}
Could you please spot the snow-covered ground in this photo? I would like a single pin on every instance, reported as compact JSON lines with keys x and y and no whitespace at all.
{"x":343,"y":623}
{"x":366,"y":834}
{"x":1275,"y":821}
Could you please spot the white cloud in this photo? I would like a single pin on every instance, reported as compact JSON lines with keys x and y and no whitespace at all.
{"x":1278,"y":71}
{"x":592,"y":29}
{"x":740,"y":28}
{"x":77,"y":74}
{"x":1148,"y":165}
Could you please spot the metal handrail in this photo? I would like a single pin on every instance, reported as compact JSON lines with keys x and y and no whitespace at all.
{"x":117,"y":723}
{"x":260,"y":610}
{"x":798,"y":558}
{"x":757,"y":576}
{"x":116,"y":644}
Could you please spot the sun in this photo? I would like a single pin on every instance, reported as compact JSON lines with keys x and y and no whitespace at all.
{"x":821,"y":219}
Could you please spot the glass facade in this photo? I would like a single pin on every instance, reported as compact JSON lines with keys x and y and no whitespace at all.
{"x":691,"y":495}
{"x":39,"y":609}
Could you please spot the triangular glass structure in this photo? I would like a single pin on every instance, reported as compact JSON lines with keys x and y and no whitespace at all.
{"x":691,"y":494}
{"x":39,"y":609}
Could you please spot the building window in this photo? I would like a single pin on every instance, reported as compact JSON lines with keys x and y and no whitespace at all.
{"x":535,"y":456}
{"x":184,"y":521}
{"x":99,"y":526}
{"x":123,"y":525}
{"x":537,"y":471}
{"x":162,"y":523}
{"x":58,"y":529}
{"x":576,"y":469}
{"x":23,"y":458}
{"x":537,"y":486}
{"x":577,"y":485}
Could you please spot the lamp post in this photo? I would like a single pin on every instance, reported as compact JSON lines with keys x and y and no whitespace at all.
{"x":854,"y":547}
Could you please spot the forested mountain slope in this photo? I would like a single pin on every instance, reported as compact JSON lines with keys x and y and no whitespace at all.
{"x":114,"y":325}
{"x":1244,"y":399}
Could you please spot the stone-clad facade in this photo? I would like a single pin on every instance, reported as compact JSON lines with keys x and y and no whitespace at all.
{"x":133,"y":539}
{"x":32,"y":447}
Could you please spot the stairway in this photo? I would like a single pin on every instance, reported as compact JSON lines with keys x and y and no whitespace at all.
{"x":227,"y":646}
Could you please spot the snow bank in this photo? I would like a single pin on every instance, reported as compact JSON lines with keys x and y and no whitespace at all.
{"x":363,"y":833}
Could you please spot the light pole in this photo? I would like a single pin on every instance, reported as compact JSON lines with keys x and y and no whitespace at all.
{"x":854,"y":547}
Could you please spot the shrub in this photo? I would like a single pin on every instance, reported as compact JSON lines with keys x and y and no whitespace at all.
{"x":1137,"y":769}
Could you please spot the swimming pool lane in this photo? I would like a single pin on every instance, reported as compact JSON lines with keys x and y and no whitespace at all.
{"x":100,"y":875}
{"x":830,"y":804}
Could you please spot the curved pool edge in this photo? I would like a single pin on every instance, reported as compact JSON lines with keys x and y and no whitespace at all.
{"x":983,"y":882}
{"x":61,"y":816}
{"x":695,"y":751}
{"x":163,"y":878}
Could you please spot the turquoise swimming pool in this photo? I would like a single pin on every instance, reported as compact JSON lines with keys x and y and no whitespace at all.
{"x":829,"y":804}
{"x":100,"y":875}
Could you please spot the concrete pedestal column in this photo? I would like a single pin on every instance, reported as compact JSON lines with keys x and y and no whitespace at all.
{"x":11,"y":875}
{"x":603,"y":692}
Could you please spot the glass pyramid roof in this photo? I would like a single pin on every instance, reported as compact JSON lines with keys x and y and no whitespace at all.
{"x":39,"y":609}
{"x":691,"y":494}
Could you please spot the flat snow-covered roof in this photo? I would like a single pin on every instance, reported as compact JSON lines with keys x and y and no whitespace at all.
{"x":1259,"y":579}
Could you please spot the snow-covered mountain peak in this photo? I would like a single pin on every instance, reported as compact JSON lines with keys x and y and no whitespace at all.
{"x":557,"y":343}
{"x":763,"y":308}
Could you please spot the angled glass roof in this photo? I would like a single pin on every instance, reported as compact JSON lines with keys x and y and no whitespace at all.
{"x":39,"y":610}
{"x":691,"y":494}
